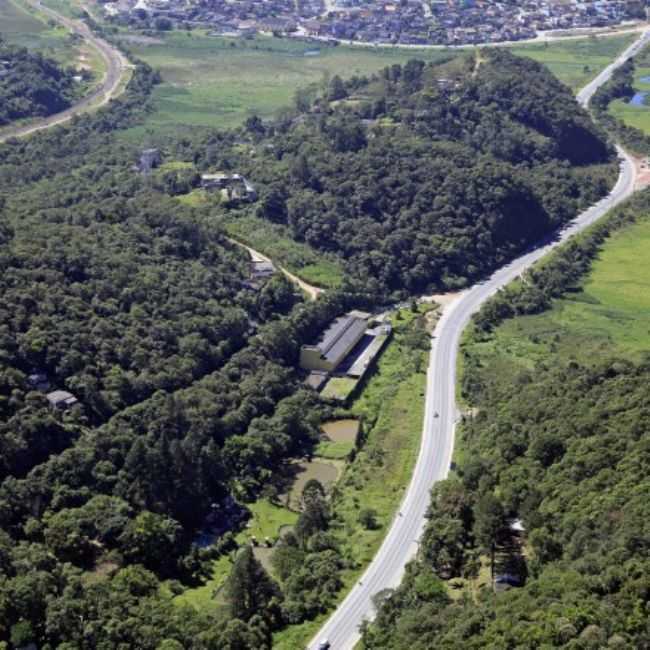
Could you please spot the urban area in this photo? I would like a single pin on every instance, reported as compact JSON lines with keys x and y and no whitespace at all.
{"x":405,"y":22}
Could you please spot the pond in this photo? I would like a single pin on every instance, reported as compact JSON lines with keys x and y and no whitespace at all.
{"x":639,"y":99}
{"x":327,"y":472}
{"x":341,"y":430}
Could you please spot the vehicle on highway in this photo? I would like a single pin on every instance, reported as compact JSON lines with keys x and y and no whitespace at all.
{"x":324,"y":645}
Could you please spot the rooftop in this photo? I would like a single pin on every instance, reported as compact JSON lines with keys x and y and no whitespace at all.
{"x":61,"y":397}
{"x":339,"y":335}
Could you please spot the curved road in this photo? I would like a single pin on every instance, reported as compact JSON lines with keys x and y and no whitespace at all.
{"x":400,"y":544}
{"x":116,"y":65}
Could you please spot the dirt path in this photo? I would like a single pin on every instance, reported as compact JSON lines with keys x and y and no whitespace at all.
{"x":312,"y":291}
{"x":110,"y":87}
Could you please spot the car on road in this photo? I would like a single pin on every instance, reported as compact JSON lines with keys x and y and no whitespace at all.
{"x":324,"y":645}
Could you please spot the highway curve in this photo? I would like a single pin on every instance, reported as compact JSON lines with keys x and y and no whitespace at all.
{"x":116,"y":65}
{"x":441,"y":412}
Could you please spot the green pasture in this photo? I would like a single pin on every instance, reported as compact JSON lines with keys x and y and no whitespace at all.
{"x":216,"y":81}
{"x":609,"y":316}
{"x":636,"y":116}
{"x":21,"y":25}
{"x":576,"y":61}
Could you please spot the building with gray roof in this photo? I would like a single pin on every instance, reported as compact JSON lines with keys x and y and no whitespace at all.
{"x":61,"y":399}
{"x":335,"y":343}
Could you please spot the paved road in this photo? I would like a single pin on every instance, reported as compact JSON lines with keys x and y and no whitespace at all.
{"x":116,"y":65}
{"x":441,"y":413}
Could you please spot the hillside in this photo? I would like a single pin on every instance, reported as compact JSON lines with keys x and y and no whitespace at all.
{"x":188,"y":411}
{"x":557,"y":439}
{"x":32,"y":85}
{"x":431,"y":176}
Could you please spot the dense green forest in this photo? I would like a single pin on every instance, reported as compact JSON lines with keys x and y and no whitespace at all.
{"x":190,"y":404}
{"x":32,"y":85}
{"x":562,"y":447}
{"x":188,"y":395}
{"x":427,"y":176}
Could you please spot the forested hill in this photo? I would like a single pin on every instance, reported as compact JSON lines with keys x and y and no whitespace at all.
{"x":32,"y":85}
{"x":186,"y":384}
{"x":432,"y":175}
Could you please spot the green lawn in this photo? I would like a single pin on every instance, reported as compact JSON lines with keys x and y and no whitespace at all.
{"x":267,"y":520}
{"x":339,"y":388}
{"x":576,"y":61}
{"x":336,"y":450}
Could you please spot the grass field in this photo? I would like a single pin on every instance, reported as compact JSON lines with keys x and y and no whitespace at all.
{"x":215,"y":81}
{"x":267,"y":520}
{"x":576,"y":61}
{"x":22,"y":26}
{"x":609,"y":316}
{"x":636,"y":116}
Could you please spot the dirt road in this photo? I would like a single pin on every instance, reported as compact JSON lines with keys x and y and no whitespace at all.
{"x":312,"y":291}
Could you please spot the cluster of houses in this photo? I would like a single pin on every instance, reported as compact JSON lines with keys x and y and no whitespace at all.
{"x":472,"y":21}
{"x":347,"y":348}
{"x":409,"y":22}
{"x":233,"y":187}
{"x":59,"y":400}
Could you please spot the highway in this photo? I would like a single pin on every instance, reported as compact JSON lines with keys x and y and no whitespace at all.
{"x":441,"y":413}
{"x":116,"y":66}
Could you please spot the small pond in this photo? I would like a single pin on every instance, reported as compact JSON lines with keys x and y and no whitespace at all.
{"x":341,"y":430}
{"x":327,"y":472}
{"x":639,"y":99}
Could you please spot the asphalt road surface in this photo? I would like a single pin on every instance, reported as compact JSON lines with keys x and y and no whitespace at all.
{"x":441,"y":413}
{"x":114,"y":60}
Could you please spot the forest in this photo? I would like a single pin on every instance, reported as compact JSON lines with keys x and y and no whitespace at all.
{"x":190,"y":405}
{"x":418,"y":180}
{"x":31,"y":85}
{"x":560,"y":448}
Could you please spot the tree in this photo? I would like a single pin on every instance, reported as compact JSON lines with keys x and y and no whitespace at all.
{"x":489,"y":519}
{"x":336,"y":89}
{"x":368,"y":518}
{"x":249,"y":589}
